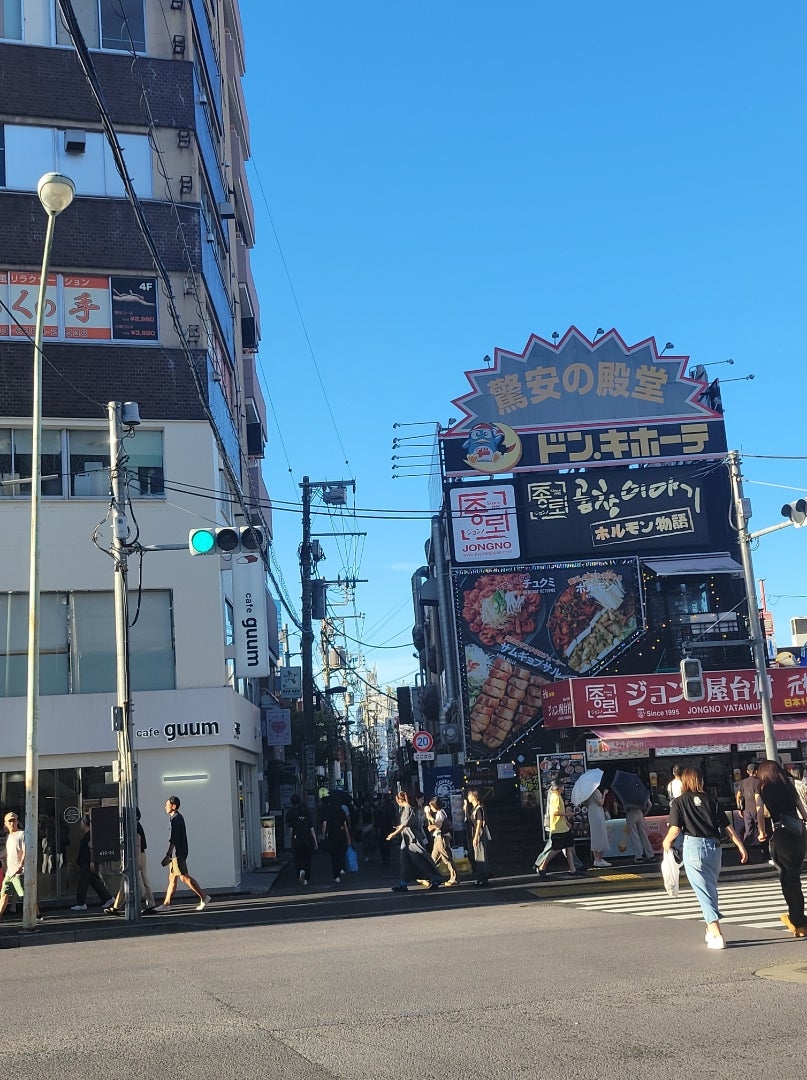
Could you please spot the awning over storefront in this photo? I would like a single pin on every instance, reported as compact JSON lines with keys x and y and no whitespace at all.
{"x":719,"y":735}
{"x":685,"y":565}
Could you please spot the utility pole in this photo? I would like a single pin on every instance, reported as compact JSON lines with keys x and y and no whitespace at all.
{"x":334,"y":493}
{"x":754,"y":624}
{"x":307,"y":646}
{"x":122,"y":712}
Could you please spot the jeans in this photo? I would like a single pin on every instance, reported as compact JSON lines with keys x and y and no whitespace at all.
{"x":787,"y":852}
{"x":702,"y":861}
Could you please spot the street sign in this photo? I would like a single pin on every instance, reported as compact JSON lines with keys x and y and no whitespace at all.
{"x":423,"y":741}
{"x":291,"y":682}
{"x":423,"y":755}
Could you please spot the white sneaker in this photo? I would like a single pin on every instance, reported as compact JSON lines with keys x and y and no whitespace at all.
{"x":163,"y":907}
{"x":337,"y":881}
{"x":203,"y":903}
{"x":601,"y":864}
{"x":715,"y":941}
{"x":302,"y":877}
{"x":79,"y":907}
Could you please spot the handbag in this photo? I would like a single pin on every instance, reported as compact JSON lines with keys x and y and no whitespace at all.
{"x":671,"y":872}
{"x":351,"y":860}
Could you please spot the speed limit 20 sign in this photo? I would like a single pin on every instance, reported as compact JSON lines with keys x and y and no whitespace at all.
{"x":423,"y":741}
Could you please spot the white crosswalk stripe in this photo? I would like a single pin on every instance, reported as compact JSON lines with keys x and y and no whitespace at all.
{"x":756,"y":904}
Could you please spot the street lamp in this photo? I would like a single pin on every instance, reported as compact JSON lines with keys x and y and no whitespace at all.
{"x":55,"y":193}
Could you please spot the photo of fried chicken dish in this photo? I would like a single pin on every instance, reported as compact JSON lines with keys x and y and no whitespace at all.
{"x":500,"y":606}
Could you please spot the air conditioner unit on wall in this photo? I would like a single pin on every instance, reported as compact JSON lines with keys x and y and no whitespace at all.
{"x":75,"y":141}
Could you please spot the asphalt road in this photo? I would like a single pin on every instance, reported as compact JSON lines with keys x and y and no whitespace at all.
{"x":513,"y":981}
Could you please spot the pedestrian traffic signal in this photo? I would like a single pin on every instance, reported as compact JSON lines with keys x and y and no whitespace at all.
{"x":227,"y":540}
{"x":692,"y":679}
{"x":797,"y":512}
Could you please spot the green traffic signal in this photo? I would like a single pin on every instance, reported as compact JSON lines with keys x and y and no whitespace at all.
{"x":226,"y":540}
{"x":201,"y":541}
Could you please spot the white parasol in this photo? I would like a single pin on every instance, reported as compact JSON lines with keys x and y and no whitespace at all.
{"x":586,"y":785}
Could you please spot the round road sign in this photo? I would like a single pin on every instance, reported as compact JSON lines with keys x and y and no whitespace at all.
{"x":423,"y":741}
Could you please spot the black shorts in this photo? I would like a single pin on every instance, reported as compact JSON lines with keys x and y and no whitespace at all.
{"x":561,"y":840}
{"x":179,"y":867}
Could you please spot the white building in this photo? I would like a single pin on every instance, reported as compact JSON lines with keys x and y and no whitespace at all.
{"x":171,"y":77}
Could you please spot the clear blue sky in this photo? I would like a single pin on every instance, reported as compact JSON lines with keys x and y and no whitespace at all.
{"x":437,"y":180}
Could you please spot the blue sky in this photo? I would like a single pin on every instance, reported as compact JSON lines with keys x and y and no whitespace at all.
{"x":432,"y":181}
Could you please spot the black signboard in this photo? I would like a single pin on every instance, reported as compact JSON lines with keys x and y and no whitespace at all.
{"x":134,"y":308}
{"x":679,"y":508}
{"x":522,"y":626}
{"x":594,"y":447}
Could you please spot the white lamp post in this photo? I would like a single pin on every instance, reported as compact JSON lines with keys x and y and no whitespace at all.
{"x":55,"y":193}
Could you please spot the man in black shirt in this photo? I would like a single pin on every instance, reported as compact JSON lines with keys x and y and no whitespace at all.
{"x":303,"y":838}
{"x":177,"y":858}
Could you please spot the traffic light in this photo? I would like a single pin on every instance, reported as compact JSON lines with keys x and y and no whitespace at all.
{"x":692,"y":679}
{"x":797,"y":512}
{"x":226,"y":541}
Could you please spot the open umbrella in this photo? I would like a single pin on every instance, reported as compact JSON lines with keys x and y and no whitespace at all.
{"x":585,"y":786}
{"x":630,"y":790}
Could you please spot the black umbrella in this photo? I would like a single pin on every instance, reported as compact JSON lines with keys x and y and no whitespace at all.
{"x":630,"y":790}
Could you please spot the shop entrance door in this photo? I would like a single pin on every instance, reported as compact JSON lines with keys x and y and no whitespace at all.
{"x":246,"y":805}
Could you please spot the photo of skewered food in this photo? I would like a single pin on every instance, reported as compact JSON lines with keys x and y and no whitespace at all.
{"x":509,"y":699}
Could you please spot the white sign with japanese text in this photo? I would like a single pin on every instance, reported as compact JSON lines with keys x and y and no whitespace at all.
{"x":483,"y":523}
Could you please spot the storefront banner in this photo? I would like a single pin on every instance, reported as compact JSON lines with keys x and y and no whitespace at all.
{"x":80,"y":307}
{"x":484,"y":527}
{"x":659,"y":698}
{"x":606,"y":748}
{"x":576,"y":446}
{"x":675,"y":508}
{"x":521,"y":627}
{"x":250,"y":623}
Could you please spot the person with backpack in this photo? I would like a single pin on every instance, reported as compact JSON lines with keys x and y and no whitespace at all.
{"x":303,"y":838}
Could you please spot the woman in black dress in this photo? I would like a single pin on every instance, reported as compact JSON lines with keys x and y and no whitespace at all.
{"x":777,"y":793}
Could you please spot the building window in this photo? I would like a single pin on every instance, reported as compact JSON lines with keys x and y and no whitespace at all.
{"x":30,"y":151}
{"x":77,"y":643}
{"x":11,"y":19}
{"x":86,"y":454}
{"x":107,"y":24}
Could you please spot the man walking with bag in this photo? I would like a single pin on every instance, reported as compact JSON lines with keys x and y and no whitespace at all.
{"x":177,"y":859}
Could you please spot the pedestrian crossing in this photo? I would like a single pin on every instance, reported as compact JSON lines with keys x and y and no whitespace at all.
{"x":756,"y":904}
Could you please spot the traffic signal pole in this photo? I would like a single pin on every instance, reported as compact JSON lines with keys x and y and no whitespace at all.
{"x":754,"y":622}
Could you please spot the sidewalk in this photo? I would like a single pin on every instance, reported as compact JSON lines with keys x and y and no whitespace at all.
{"x":63,"y":925}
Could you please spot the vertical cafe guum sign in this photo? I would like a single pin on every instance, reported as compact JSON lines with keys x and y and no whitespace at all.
{"x":582,"y":404}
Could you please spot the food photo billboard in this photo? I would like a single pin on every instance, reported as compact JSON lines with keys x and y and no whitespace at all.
{"x":521,"y":627}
